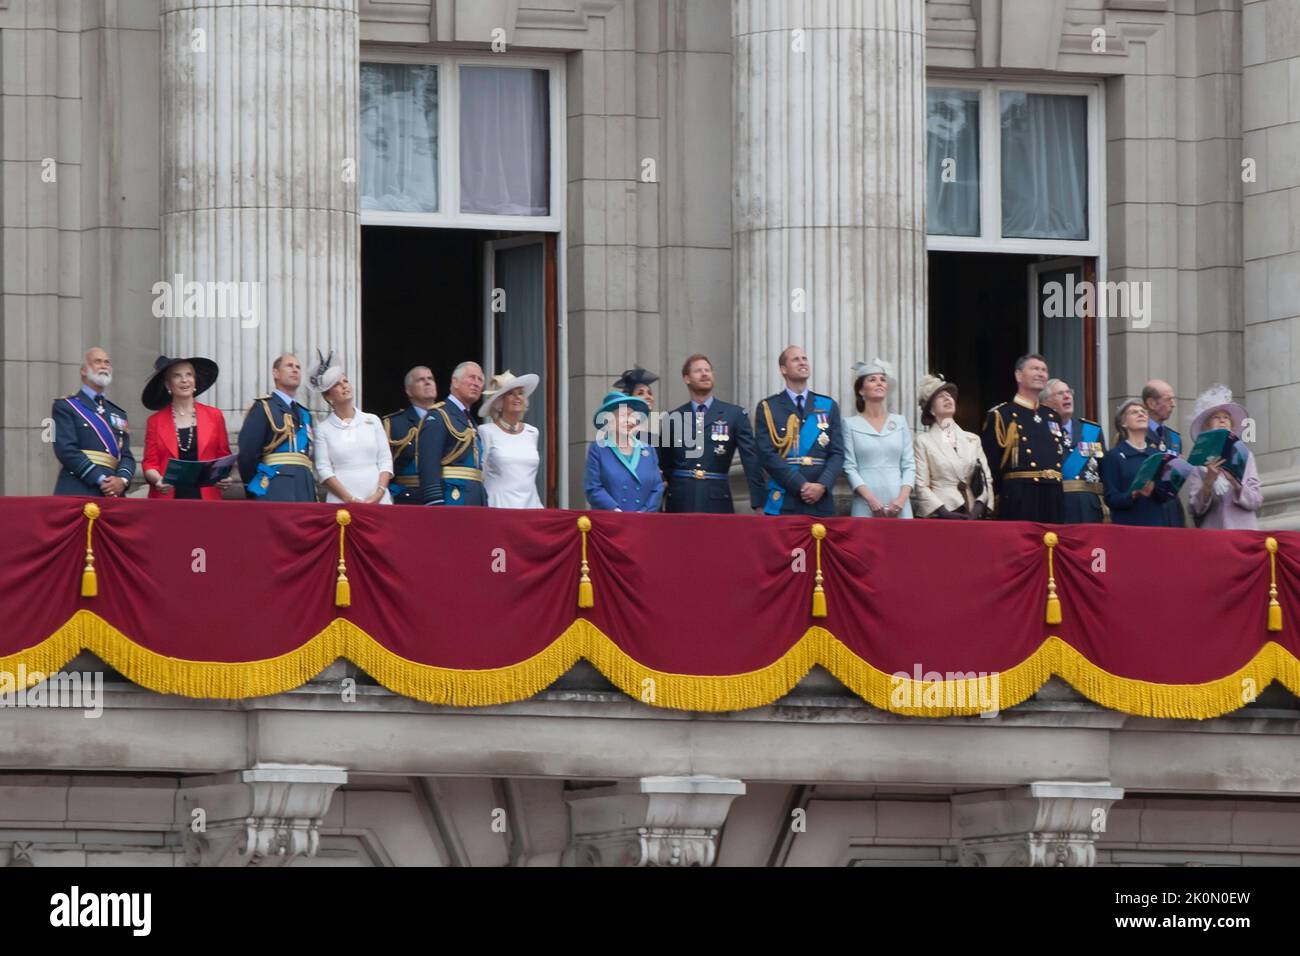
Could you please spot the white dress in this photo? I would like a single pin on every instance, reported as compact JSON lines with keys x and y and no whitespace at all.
{"x":354,"y":452}
{"x":510,"y":464}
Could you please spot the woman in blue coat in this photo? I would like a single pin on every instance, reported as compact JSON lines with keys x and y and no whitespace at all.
{"x":622,"y":471}
{"x":1144,"y":507}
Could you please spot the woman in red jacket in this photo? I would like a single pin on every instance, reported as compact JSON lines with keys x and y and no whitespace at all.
{"x":180,"y":427}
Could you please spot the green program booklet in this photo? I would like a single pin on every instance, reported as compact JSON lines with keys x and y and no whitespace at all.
{"x":198,"y":474}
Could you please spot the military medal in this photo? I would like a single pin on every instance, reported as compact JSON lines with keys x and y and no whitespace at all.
{"x":823,"y":439}
{"x":1037,"y":418}
{"x":455,"y":494}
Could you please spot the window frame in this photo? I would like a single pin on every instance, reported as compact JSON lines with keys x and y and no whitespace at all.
{"x":990,"y":238}
{"x":449,"y":215}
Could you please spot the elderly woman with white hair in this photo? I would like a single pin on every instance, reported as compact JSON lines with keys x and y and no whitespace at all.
{"x":511,"y":458}
{"x":352,"y":455}
{"x":878,"y":458}
{"x":1217,"y":497}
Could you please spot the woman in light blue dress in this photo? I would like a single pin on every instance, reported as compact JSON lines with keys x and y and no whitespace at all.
{"x":879,"y":460}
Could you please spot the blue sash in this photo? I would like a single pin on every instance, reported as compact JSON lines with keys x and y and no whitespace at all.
{"x":1082,"y":450}
{"x":100,"y":426}
{"x":808,"y":432}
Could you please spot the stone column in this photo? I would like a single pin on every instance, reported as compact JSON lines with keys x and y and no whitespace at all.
{"x":259,"y":204}
{"x":828,"y":206}
{"x":654,"y":821}
{"x":1044,"y":824}
{"x":1270,"y":120}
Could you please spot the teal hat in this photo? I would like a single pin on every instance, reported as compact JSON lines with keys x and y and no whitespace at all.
{"x":615,"y":399}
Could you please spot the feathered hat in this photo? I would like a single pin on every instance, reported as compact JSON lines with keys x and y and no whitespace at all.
{"x":1216,"y":398}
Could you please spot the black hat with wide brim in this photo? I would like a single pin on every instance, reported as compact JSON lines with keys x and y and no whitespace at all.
{"x":155,"y":394}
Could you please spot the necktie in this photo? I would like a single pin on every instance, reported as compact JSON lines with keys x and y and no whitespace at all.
{"x":798,"y":401}
{"x":700,"y":409}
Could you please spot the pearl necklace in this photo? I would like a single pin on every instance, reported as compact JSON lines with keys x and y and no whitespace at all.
{"x":188,"y":445}
{"x":511,"y":429}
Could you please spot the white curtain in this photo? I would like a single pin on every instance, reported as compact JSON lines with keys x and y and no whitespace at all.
{"x":399,"y":137}
{"x":521,"y":330}
{"x":1044,"y":166}
{"x":1061,"y":338}
{"x":505,"y":150}
{"x":952,"y":150}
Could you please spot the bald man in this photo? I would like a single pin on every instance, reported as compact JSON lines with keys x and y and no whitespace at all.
{"x":92,"y":439}
{"x":1158,"y":397}
{"x":275,"y":440}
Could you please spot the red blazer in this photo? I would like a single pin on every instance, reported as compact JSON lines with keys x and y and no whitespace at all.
{"x":160,"y":444}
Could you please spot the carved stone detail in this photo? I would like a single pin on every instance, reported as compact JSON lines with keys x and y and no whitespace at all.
{"x":1044,"y":824}
{"x":267,"y":816}
{"x":654,"y":821}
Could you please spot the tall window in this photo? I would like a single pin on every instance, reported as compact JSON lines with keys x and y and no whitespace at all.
{"x":460,"y":142}
{"x":1012,"y":167}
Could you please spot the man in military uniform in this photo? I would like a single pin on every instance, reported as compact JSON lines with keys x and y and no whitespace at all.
{"x":275,"y":440}
{"x":1085,"y":445}
{"x":1158,"y":397}
{"x":1025,"y":448}
{"x":696,"y":461}
{"x":92,"y":439}
{"x":450,"y":451}
{"x":800,"y":442}
{"x":402,"y":428}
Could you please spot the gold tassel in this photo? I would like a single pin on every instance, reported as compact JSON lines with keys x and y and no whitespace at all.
{"x":1053,"y":602}
{"x":342,"y":589}
{"x":819,"y":593}
{"x":1274,"y":609}
{"x":89,"y":581}
{"x":586,"y":594}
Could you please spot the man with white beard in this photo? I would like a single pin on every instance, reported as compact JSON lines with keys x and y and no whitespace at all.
{"x":92,"y":439}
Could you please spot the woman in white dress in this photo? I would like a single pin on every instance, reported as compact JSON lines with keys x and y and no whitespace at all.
{"x":353,"y":459}
{"x":952,"y":474}
{"x":878,"y":459}
{"x":510,"y":454}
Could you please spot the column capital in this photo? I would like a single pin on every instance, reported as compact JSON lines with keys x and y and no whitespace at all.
{"x":265,"y":816}
{"x":1047,"y":823}
{"x":654,"y":821}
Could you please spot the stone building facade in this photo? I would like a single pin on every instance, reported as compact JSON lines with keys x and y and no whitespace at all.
{"x":724,"y":176}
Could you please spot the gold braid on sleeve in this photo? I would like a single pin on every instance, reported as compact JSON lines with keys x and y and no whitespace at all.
{"x":784,"y":445}
{"x":1008,"y":439}
{"x":280,"y":433}
{"x":463,"y":439}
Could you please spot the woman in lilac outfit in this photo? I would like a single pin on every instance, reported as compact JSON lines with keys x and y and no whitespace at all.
{"x":1217,"y":499}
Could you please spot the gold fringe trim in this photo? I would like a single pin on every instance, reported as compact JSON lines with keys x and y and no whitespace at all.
{"x":758,"y":688}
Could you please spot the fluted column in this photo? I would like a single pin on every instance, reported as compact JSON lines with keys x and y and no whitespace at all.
{"x":829,"y":197}
{"x":259,"y":142}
